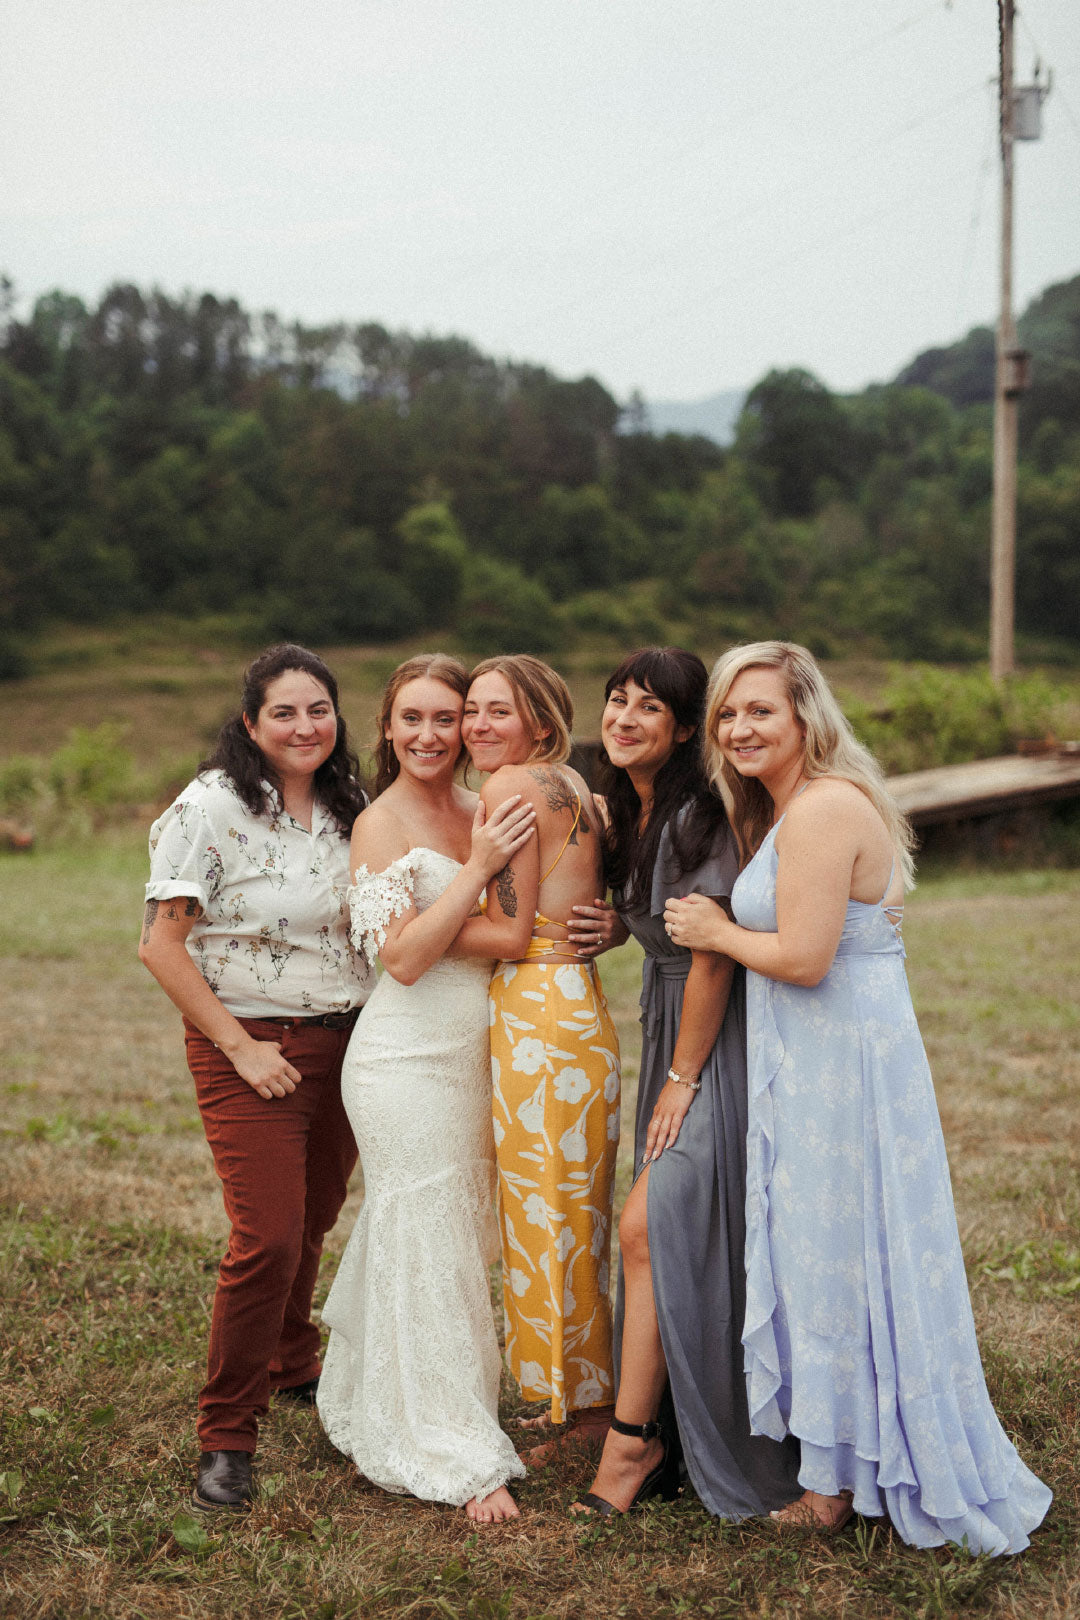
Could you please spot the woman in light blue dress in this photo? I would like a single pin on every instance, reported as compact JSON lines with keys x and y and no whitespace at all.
{"x":858,"y":1336}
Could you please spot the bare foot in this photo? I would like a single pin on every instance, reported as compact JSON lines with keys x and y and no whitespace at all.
{"x":542,"y":1422}
{"x":813,"y":1511}
{"x":493,"y":1509}
{"x":623,"y":1467}
{"x":592,"y":1422}
{"x":587,"y":1426}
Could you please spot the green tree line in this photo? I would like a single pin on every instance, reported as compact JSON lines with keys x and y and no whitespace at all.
{"x":351,"y":483}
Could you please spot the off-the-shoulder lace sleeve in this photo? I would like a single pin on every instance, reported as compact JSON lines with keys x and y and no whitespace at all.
{"x":376,"y":897}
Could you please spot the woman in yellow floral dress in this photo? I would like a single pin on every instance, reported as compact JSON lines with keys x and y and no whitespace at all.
{"x":554,"y":1053}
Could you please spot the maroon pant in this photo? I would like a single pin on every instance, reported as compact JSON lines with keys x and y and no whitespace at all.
{"x":284,"y":1165}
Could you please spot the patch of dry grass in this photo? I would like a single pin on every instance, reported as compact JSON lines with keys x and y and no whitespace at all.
{"x":171,"y":685}
{"x":110,"y":1244}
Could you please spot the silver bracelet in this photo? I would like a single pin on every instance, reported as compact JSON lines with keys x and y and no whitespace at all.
{"x":680,"y":1080}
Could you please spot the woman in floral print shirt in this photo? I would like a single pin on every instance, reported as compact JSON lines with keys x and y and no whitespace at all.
{"x":246,"y":930}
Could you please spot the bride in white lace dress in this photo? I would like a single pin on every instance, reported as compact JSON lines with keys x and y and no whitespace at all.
{"x":410,"y":1381}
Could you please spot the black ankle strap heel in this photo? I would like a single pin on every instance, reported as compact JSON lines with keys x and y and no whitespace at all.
{"x":638,"y":1431}
{"x":662,"y":1481}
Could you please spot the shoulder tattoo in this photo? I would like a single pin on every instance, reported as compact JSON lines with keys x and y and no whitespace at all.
{"x":559,"y":795}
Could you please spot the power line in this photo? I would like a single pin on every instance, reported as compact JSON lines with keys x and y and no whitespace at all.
{"x":665,"y":157}
{"x":681,"y":311}
{"x":985,"y":166}
{"x":761,"y":203}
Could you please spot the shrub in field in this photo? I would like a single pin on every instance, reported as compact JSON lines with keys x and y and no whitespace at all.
{"x":1034,"y":707}
{"x":73,"y":791}
{"x":20,"y":785}
{"x":930,"y":716}
{"x":92,"y":769}
{"x":606,"y":614}
{"x":503,"y":611}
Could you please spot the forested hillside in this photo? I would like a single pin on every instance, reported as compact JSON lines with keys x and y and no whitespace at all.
{"x":350,"y":483}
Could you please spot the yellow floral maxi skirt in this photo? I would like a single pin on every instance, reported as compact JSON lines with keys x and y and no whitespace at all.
{"x":555,"y":1071}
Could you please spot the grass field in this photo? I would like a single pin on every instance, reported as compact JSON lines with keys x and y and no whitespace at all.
{"x":112,"y":1228}
{"x":170,"y":686}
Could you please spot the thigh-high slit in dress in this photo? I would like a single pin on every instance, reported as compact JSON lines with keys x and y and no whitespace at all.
{"x":696,"y":1215}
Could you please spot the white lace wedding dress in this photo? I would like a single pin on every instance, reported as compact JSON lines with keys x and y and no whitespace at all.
{"x":410,"y":1383}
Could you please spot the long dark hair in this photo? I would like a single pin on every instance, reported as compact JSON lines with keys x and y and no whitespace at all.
{"x":337,"y":781}
{"x":679,"y":679}
{"x":430,"y":666}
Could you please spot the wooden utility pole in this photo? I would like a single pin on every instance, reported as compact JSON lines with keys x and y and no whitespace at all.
{"x":1006,"y":390}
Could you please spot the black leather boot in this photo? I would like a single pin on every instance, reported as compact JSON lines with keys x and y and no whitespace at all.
{"x":223,"y":1481}
{"x":301,"y":1394}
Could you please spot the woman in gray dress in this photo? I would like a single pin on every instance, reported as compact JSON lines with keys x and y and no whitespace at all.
{"x":681,"y":1292}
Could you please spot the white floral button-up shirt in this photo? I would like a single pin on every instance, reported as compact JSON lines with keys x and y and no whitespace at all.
{"x":272,"y":939}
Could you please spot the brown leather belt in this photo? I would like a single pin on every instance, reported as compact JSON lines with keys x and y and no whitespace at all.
{"x":342,"y":1020}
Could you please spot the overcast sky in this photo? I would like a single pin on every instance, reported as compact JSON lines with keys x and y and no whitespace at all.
{"x":673,"y":196}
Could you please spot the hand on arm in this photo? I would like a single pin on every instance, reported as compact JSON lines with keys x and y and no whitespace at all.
{"x":705,"y":999}
{"x":502,"y":934}
{"x":596,"y":928}
{"x":162,"y":949}
{"x":817,"y":848}
{"x":416,"y":940}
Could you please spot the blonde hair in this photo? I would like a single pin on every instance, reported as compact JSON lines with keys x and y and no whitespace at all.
{"x":542,"y":699}
{"x":831,"y":747}
{"x":425,"y":666}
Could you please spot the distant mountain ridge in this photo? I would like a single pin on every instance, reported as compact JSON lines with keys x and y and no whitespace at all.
{"x":962,"y":371}
{"x":1049,"y":328}
{"x":713,"y":418}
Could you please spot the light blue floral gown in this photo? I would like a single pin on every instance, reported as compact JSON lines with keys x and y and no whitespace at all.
{"x":859,"y":1337}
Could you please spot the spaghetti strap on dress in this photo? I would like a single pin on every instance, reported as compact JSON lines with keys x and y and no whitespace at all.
{"x":859,"y":1335}
{"x":555,"y":1072}
{"x":538,"y":945}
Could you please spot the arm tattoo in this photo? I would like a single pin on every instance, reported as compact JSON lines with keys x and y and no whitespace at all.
{"x":191,"y":909}
{"x":504,"y":889}
{"x":149,"y":915}
{"x":559,"y":795}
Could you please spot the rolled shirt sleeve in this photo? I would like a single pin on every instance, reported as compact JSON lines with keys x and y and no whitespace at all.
{"x":272,"y":936}
{"x":182,"y":854}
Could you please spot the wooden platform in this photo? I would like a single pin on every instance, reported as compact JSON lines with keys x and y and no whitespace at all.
{"x":950,"y":793}
{"x":985,"y":787}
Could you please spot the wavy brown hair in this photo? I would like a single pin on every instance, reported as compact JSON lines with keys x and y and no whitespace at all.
{"x":542,"y":699}
{"x":425,"y":666}
{"x":338,"y":784}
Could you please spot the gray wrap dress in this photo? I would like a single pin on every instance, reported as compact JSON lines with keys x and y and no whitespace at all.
{"x":696,"y":1214}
